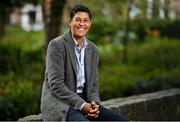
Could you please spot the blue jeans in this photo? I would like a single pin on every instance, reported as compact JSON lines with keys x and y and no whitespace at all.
{"x":104,"y":115}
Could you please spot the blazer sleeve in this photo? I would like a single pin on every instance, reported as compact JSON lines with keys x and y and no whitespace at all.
{"x":55,"y":71}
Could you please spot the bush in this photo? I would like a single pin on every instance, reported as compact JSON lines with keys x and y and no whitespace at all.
{"x":157,"y":53}
{"x":22,"y":62}
{"x":113,"y":51}
{"x":159,"y":63}
{"x":18,"y":99}
{"x":107,"y":30}
{"x":167,"y":28}
{"x":113,"y":81}
{"x":153,"y":65}
{"x":21,"y":66}
{"x":103,"y":30}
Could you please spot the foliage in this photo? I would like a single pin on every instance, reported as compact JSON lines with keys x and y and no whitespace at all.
{"x":142,"y":5}
{"x":159,"y":52}
{"x":21,"y":57}
{"x":9,"y":5}
{"x":107,"y":8}
{"x":108,"y":30}
{"x":23,"y":39}
{"x":103,"y":30}
{"x":113,"y":51}
{"x":152,"y":66}
{"x":21,"y":69}
{"x":159,"y":63}
{"x":156,"y":27}
{"x":18,"y":99}
{"x":167,"y":28}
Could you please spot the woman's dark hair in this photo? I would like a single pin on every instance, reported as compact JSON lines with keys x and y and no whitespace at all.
{"x":79,"y":8}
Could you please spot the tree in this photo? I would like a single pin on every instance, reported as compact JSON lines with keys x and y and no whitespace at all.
{"x":52,"y":17}
{"x":155,"y":9}
{"x":142,"y":6}
{"x":126,"y":36}
{"x":2,"y":18}
{"x":167,"y":8}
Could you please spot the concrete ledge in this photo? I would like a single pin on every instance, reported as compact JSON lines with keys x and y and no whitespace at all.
{"x":162,"y":105}
{"x":31,"y":118}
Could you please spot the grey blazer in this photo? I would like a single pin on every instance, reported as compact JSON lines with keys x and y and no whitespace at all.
{"x":59,"y":86}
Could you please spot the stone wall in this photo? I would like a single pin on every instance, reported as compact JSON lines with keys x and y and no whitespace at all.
{"x":162,"y":105}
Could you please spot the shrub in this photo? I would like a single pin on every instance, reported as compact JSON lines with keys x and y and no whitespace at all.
{"x":103,"y":30}
{"x":157,"y":53}
{"x":167,"y":28}
{"x":159,"y":65}
{"x":18,"y":99}
{"x":113,"y":51}
{"x":21,"y":66}
{"x":20,"y":61}
{"x":152,"y":65}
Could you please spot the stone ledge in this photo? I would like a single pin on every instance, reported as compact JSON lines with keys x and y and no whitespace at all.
{"x":31,"y":118}
{"x":162,"y":105}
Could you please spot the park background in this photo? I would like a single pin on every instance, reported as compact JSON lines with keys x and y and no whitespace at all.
{"x":138,"y":41}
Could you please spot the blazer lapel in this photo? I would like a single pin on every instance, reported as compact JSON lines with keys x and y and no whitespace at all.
{"x":87,"y":60}
{"x":71,"y":50}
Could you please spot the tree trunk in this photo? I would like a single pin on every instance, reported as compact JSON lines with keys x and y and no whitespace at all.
{"x":166,"y":9}
{"x":2,"y":25}
{"x":155,"y":9}
{"x":126,"y":35}
{"x":52,"y":17}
